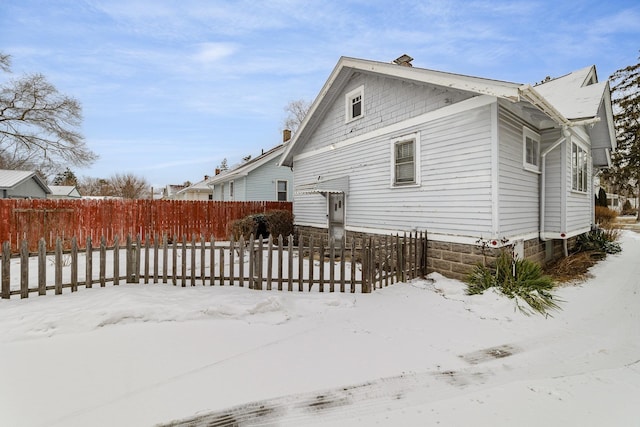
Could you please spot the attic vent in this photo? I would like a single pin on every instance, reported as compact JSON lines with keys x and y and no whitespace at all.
{"x":404,"y":60}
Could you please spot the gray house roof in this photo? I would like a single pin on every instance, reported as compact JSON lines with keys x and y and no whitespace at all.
{"x":569,"y":100}
{"x":64,"y":191}
{"x":242,"y":169}
{"x":10,"y":179}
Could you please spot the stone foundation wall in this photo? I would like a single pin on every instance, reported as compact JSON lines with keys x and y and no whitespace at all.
{"x":456,"y":260}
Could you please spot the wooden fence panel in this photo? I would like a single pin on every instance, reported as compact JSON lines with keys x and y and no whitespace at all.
{"x":24,"y":219}
{"x":378,"y":261}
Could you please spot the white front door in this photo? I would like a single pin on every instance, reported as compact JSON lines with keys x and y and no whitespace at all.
{"x":336,"y":217}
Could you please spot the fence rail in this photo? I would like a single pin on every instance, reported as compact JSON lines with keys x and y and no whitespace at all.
{"x":263,"y":264}
{"x":49,"y":219}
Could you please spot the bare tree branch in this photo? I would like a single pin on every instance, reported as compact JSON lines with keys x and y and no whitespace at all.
{"x":39,"y":123}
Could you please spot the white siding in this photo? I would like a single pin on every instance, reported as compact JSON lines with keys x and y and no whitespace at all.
{"x":554,"y":182}
{"x":455,"y":192}
{"x":261,"y":182}
{"x":386,"y":101}
{"x":518,"y":188}
{"x":578,"y":204}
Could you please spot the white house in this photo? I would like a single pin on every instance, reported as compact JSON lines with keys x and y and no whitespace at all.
{"x":17,"y":184}
{"x":64,"y":192}
{"x":257,"y":179}
{"x":388,"y":148}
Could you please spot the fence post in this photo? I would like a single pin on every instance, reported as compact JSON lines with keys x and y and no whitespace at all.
{"x":24,"y":269}
{"x":251,"y":262}
{"x":42,"y":267}
{"x":300,"y":263}
{"x":129,"y":265}
{"x":366,"y":258}
{"x":193,"y":259}
{"x":321,"y":261}
{"x":290,"y":264}
{"x":165,"y":258}
{"x":74,"y":264}
{"x":183,"y":269}
{"x":259,"y":260}
{"x":58,"y":262}
{"x":138,"y":264}
{"x":6,"y":270}
{"x":116,"y":261}
{"x":353,"y":265}
{"x":103,"y":263}
{"x":269,"y":262}
{"x":241,"y":260}
{"x":88,"y":270}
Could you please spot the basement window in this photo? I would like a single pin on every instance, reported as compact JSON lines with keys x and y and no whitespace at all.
{"x":354,"y":104}
{"x":531,"y":149}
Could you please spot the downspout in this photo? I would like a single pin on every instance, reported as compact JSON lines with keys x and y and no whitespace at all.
{"x":543,"y":176}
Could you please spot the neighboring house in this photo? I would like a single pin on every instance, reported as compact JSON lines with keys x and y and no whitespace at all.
{"x":15,"y":184}
{"x":474,"y":162}
{"x":258,"y":179}
{"x":170,"y":190}
{"x":63,"y":192}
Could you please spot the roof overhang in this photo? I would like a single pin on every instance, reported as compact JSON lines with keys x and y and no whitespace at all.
{"x":335,"y":185}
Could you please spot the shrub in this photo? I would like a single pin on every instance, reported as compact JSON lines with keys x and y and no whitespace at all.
{"x":599,"y":240}
{"x":520,"y":279}
{"x":274,"y":223}
{"x":601,"y":198}
{"x":627,"y":209}
{"x":605,"y":215}
{"x":279,"y":222}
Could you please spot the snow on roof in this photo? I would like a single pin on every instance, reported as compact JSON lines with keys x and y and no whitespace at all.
{"x":575,"y":95}
{"x":61,"y":190}
{"x":11,"y":178}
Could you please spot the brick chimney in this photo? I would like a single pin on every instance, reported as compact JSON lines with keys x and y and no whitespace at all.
{"x":286,"y":135}
{"x":404,"y":60}
{"x":206,"y":177}
{"x":218,"y":171}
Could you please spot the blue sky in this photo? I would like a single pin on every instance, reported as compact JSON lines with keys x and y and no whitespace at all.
{"x":171,"y":88}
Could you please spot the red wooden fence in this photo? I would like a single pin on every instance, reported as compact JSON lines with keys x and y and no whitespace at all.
{"x":49,"y":219}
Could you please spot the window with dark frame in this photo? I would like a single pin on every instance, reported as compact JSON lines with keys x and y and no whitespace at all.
{"x":354,"y":104}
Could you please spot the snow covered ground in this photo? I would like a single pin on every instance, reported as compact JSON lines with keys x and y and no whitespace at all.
{"x":412,"y":354}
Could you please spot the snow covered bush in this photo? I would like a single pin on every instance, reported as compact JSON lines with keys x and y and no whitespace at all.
{"x":520,"y":279}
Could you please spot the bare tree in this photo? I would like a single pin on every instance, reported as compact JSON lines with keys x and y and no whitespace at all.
{"x":88,"y":186}
{"x":39,"y":126}
{"x":130,"y":186}
{"x":296,"y":111}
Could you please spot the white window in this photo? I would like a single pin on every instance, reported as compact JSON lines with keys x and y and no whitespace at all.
{"x":354,"y":104}
{"x":531,"y":149}
{"x":230,"y":190}
{"x":406,"y":161}
{"x":579,"y":170}
{"x":281,"y":191}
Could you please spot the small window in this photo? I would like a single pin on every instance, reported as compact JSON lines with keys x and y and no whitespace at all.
{"x":406,"y":161}
{"x":531,"y":150}
{"x":354,"y":104}
{"x":579,"y":168}
{"x":230,"y":190}
{"x":282,"y":191}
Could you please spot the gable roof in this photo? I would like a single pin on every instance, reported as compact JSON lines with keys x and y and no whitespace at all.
{"x":559,"y":107}
{"x":11,"y":178}
{"x":241,"y":170}
{"x":64,"y":190}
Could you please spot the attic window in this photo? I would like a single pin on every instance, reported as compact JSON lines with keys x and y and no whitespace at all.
{"x":531,"y":150}
{"x":354,"y":104}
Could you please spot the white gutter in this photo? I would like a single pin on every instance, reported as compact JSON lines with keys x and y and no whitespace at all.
{"x":531,"y":95}
{"x":543,"y":176}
